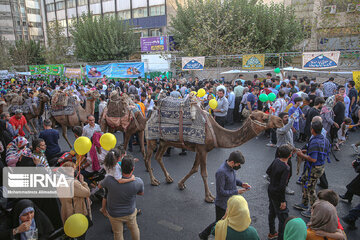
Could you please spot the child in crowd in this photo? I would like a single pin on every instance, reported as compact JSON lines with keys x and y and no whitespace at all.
{"x":112,"y":163}
{"x":296,"y":110}
{"x":345,"y":126}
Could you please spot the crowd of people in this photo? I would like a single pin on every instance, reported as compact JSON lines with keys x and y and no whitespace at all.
{"x":318,"y":116}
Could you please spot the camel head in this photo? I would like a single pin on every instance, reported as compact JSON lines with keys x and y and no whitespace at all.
{"x":271,"y":121}
{"x":92,"y":95}
{"x":43,"y":97}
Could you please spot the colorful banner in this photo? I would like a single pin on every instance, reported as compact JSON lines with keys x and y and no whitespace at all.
{"x":116,"y":70}
{"x":356,"y":78}
{"x":253,"y":61}
{"x":75,"y":73}
{"x":320,"y":60}
{"x":193,"y":63}
{"x":47,"y":69}
{"x":152,"y":44}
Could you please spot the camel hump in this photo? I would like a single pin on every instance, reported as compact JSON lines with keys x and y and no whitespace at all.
{"x":119,"y":106}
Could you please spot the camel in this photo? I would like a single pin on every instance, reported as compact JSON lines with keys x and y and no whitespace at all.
{"x":38,"y":111}
{"x":215,"y":136}
{"x":79,"y":117}
{"x":136,"y":125}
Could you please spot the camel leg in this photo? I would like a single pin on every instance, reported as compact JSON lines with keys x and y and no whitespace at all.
{"x":64,"y":133}
{"x":31,"y":121}
{"x":194,"y":169}
{"x":208,"y":196}
{"x":141,"y":140}
{"x":147,"y":159}
{"x":126,"y":139}
{"x":159,"y":155}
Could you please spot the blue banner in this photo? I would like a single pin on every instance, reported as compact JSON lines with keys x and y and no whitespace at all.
{"x":116,"y":70}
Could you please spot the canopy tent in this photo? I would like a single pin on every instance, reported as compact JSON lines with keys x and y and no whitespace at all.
{"x":288,"y":69}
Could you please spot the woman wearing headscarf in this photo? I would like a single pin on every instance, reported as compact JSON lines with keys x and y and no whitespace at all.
{"x":324,"y":222}
{"x":339,"y":111}
{"x":295,"y":229}
{"x":327,"y":114}
{"x":236,"y":222}
{"x":27,"y":219}
{"x":13,"y":150}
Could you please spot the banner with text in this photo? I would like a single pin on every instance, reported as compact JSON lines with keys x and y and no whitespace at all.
{"x":320,"y":60}
{"x":253,"y":61}
{"x":116,"y":70}
{"x":47,"y":69}
{"x":75,"y":73}
{"x":356,"y":78}
{"x":193,"y":63}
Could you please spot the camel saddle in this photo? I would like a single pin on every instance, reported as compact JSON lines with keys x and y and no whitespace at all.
{"x":61,"y":104}
{"x":27,"y":107}
{"x":120,"y":111}
{"x":177,"y":120}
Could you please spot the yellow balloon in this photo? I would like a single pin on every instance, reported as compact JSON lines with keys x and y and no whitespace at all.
{"x":108,"y":141}
{"x":193,"y":92}
{"x":12,"y":80}
{"x":82,"y":145}
{"x":201,"y":92}
{"x":76,"y":225}
{"x":213,"y":103}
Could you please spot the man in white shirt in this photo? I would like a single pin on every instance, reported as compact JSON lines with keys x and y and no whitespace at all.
{"x":279,"y":107}
{"x":91,"y":127}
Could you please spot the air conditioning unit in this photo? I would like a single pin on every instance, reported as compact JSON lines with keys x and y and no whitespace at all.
{"x":331,"y":9}
{"x":351,"y":8}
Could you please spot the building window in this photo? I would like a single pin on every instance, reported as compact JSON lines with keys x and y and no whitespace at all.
{"x":71,"y":3}
{"x":124,"y":14}
{"x":157,"y":10}
{"x":24,"y":24}
{"x":142,"y":33}
{"x":60,"y":5}
{"x":94,"y":1}
{"x":33,"y":11}
{"x":140,"y":12}
{"x":35,"y":24}
{"x":155,"y":32}
{"x":82,"y":2}
{"x":50,"y":7}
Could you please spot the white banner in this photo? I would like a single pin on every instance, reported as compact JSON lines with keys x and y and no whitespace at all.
{"x":320,"y":60}
{"x":193,"y":63}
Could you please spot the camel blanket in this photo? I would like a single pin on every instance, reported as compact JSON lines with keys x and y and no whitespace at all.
{"x":27,"y":107}
{"x":115,"y":122}
{"x":61,"y":110}
{"x":164,"y":122}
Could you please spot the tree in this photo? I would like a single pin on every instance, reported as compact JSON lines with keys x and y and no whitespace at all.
{"x":102,"y":38}
{"x":215,"y":27}
{"x":5,"y":61}
{"x":26,"y":53}
{"x":57,"y":44}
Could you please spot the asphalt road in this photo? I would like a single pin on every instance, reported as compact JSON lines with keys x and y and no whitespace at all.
{"x":171,"y":214}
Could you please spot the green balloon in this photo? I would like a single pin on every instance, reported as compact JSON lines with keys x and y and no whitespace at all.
{"x":272,"y":97}
{"x":277,"y":70}
{"x":263,"y":97}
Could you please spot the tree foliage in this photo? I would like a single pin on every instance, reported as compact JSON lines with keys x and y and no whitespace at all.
{"x":101,"y":39}
{"x":26,"y":53}
{"x":5,"y":61}
{"x":57,"y":44}
{"x":215,"y":27}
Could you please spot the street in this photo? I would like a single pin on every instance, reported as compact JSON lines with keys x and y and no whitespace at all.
{"x":168,"y":213}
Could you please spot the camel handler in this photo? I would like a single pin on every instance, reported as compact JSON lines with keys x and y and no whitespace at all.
{"x":18,"y":121}
{"x":226,"y":186}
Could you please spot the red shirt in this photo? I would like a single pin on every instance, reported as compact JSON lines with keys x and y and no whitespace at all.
{"x":18,"y":122}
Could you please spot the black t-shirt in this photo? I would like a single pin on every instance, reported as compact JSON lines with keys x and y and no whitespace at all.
{"x":353,"y":93}
{"x":279,"y":173}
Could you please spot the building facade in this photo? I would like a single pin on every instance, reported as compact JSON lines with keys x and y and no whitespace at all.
{"x":149,"y":17}
{"x":21,"y":20}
